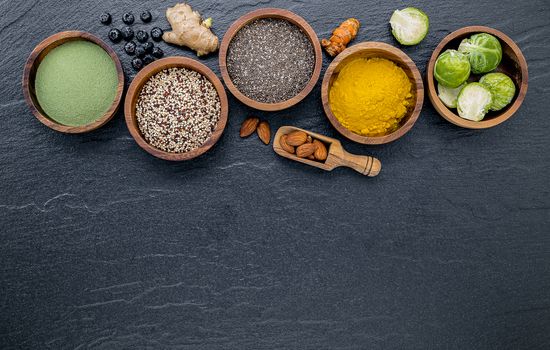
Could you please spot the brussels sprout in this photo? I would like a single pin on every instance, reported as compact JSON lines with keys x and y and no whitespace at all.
{"x":484,"y":52}
{"x":474,"y":102}
{"x":448,"y":95}
{"x":502,"y":88}
{"x":452,"y":69}
{"x":409,"y":26}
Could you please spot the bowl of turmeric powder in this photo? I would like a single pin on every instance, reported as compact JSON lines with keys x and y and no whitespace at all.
{"x":372,"y":93}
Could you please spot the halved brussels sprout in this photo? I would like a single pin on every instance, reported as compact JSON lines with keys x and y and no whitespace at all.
{"x":502,"y":87}
{"x":449,"y":96}
{"x":484,"y":52}
{"x":409,"y":26}
{"x":452,"y":68}
{"x":474,"y":102}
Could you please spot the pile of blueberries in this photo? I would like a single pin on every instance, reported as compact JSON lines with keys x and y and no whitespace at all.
{"x":145,"y":52}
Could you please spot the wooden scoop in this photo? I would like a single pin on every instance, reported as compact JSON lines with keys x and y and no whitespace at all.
{"x":337,"y":155}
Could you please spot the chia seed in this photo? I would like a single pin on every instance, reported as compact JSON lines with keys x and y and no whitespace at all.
{"x":177,"y":110}
{"x":270,"y":60}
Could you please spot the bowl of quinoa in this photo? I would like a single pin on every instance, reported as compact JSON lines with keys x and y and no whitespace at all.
{"x":270,"y":59}
{"x":176,"y":109}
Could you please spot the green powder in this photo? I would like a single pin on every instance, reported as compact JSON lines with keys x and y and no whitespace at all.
{"x":76,"y":83}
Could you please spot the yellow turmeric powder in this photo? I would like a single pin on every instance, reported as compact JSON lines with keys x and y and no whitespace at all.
{"x":370,"y":97}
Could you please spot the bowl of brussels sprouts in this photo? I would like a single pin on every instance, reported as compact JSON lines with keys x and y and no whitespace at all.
{"x":477,"y":77}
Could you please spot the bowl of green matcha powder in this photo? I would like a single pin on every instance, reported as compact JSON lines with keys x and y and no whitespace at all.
{"x":73,"y":82}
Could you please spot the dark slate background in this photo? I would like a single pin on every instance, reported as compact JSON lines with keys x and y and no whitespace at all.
{"x":105,"y":247}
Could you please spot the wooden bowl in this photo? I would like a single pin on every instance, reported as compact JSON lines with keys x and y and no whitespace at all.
{"x":374,"y":50}
{"x":29,"y":76}
{"x":135,"y":88}
{"x":270,"y":13}
{"x":513,"y":64}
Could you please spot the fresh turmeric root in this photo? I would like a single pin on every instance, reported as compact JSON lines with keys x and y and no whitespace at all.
{"x":341,"y":36}
{"x":189,"y":30}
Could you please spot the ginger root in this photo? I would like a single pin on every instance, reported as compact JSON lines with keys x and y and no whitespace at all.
{"x":189,"y":30}
{"x":341,"y":36}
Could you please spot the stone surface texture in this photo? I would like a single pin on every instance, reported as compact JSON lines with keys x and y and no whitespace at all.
{"x":104,"y":247}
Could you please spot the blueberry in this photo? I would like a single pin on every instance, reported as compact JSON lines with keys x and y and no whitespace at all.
{"x":140,"y":51}
{"x":115,"y":35}
{"x":105,"y":18}
{"x":142,"y":36}
{"x":130,"y":48}
{"x":137,"y":63}
{"x":156,"y":34}
{"x":148,"y":47}
{"x":148,"y":59}
{"x":146,"y":16}
{"x":157,"y":52}
{"x":127,"y":33}
{"x":128,"y":18}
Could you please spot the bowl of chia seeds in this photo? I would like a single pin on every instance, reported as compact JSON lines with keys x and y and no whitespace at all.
{"x":176,"y":109}
{"x":270,"y":59}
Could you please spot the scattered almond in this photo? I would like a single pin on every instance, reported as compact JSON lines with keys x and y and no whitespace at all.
{"x":285,"y":146}
{"x":296,"y":138}
{"x":321,"y":152}
{"x":264,"y":132}
{"x":249,"y":126}
{"x":305,"y":150}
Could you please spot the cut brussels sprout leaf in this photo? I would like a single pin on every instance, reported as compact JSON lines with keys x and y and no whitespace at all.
{"x":409,"y":26}
{"x":452,"y":68}
{"x":449,"y":96}
{"x":484,"y":52}
{"x":474,"y":102}
{"x":502,"y":87}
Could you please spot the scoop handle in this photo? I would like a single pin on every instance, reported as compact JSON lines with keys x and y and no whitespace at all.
{"x":365,"y":165}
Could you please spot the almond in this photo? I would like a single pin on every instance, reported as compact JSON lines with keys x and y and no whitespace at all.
{"x":305,"y":150}
{"x":296,"y":138}
{"x":285,"y":146}
{"x":264,"y":132}
{"x":249,"y":126}
{"x":311,"y":157}
{"x":309,"y":139}
{"x":321,"y":152}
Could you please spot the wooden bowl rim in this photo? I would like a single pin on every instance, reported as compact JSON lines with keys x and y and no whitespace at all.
{"x":404,"y":60}
{"x":31,"y":61}
{"x":270,"y":13}
{"x":135,"y":88}
{"x":447,"y":113}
